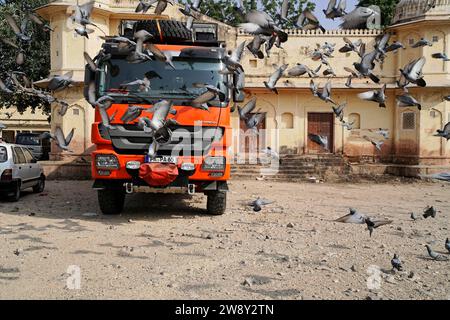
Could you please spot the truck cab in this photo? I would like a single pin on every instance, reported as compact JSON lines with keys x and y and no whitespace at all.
{"x":194,"y":156}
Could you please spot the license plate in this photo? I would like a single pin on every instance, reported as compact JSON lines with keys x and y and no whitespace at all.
{"x":162,"y":159}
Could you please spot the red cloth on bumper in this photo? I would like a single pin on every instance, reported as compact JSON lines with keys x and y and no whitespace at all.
{"x":158,"y":174}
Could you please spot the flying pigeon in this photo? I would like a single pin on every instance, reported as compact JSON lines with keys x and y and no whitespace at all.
{"x":352,"y":217}
{"x":58,"y":136}
{"x":373,"y":224}
{"x":273,"y":79}
{"x":377,"y":96}
{"x":319,"y":139}
{"x":422,"y":43}
{"x":442,"y":56}
{"x":444,"y":133}
{"x":324,"y":94}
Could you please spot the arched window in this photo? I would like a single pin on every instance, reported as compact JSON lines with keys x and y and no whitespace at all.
{"x":355,"y":118}
{"x":287,"y":120}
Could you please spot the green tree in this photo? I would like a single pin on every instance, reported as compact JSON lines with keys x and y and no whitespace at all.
{"x":387,"y":8}
{"x":37,"y":54}
{"x":226,"y":10}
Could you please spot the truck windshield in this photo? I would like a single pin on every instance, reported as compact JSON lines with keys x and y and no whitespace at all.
{"x":28,"y":140}
{"x":165,"y":82}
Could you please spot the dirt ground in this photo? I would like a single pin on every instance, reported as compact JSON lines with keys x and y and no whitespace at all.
{"x":166,"y":247}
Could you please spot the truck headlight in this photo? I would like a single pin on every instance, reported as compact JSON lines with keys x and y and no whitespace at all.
{"x":214,"y":164}
{"x":106,"y":161}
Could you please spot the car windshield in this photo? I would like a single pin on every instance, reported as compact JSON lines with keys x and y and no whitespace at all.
{"x":165,"y":82}
{"x":28,"y":140}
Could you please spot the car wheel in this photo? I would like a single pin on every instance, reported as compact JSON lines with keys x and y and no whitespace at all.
{"x":40,"y":186}
{"x":16,"y":193}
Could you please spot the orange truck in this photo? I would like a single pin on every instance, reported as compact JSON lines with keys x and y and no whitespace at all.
{"x":195,"y":157}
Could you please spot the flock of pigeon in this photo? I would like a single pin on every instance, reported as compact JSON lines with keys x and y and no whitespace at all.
{"x":265,"y":32}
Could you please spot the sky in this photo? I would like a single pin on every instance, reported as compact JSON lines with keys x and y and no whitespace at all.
{"x":328,"y":23}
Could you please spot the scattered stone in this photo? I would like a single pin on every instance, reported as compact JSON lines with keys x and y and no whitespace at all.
{"x":130,"y":220}
{"x":90,"y":214}
{"x":18,"y":252}
{"x":353,"y":268}
{"x":32,"y":214}
{"x":290,"y":225}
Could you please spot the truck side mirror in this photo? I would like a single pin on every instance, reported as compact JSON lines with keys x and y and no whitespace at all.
{"x":238,"y":82}
{"x":89,"y":76}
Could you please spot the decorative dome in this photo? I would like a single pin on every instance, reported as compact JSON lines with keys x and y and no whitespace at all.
{"x":409,"y":10}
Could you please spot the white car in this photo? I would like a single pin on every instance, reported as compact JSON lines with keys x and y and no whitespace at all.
{"x":19,"y":170}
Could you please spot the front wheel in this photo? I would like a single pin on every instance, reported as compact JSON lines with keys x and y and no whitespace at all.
{"x":111,"y":201}
{"x":40,"y":186}
{"x":216,"y":203}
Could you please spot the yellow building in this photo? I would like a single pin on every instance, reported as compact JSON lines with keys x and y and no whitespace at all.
{"x":292,"y":114}
{"x":28,"y":121}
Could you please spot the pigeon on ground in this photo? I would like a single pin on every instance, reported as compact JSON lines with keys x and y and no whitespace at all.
{"x":434,"y":255}
{"x":444,"y":133}
{"x":447,"y":245}
{"x":429,"y":212}
{"x":444,"y":176}
{"x":396,"y":263}
{"x":319,"y":139}
{"x":273,"y":79}
{"x":352,"y":217}
{"x":259,"y":203}
{"x":413,"y":216}
{"x":378,"y":96}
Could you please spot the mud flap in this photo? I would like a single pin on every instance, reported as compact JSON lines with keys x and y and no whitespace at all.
{"x":158,"y":174}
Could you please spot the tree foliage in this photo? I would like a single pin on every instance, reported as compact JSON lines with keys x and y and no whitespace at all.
{"x":37,"y":54}
{"x":226,"y":10}
{"x":387,"y":8}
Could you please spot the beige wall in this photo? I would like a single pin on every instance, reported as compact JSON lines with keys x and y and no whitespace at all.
{"x":295,"y":97}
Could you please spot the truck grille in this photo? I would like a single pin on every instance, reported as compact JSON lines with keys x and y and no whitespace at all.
{"x":185,"y":141}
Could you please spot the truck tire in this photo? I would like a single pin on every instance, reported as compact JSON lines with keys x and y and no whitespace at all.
{"x":111,"y":201}
{"x":216,"y":203}
{"x":171,"y":31}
